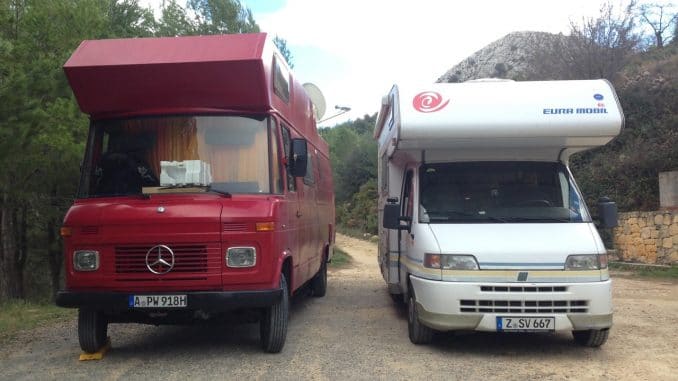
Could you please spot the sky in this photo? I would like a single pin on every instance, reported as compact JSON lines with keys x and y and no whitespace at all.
{"x":355,"y":50}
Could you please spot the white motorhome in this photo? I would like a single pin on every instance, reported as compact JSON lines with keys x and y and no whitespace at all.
{"x":483,"y":226}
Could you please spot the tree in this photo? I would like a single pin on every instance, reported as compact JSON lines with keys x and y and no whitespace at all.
{"x":627,"y":168}
{"x":126,"y":18}
{"x":281,"y":44}
{"x":596,"y":48}
{"x":174,"y":21}
{"x":353,"y":154}
{"x":41,"y":128}
{"x":659,"y":17}
{"x":43,"y":132}
{"x":222,"y":16}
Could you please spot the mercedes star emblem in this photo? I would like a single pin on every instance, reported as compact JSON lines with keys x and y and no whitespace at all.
{"x":160,"y":259}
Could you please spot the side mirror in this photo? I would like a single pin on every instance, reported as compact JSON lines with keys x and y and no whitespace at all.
{"x":391,"y":216}
{"x":299,"y":158}
{"x":393,"y":219}
{"x":607,"y":213}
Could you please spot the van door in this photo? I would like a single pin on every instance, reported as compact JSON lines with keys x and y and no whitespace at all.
{"x":291,"y":211}
{"x":312,"y":182}
{"x":308,"y":240}
{"x":405,"y":237}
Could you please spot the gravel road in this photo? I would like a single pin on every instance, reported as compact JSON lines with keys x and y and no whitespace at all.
{"x":356,"y":332}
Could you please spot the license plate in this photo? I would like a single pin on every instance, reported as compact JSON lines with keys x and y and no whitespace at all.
{"x":157,"y":301}
{"x":526,"y":324}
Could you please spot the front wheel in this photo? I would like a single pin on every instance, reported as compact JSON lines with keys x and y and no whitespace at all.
{"x":419,"y":333}
{"x":397,"y":299}
{"x":273,"y":325}
{"x":92,"y":330}
{"x":591,"y":337}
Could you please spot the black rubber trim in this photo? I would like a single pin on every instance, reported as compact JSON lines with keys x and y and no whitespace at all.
{"x":209,"y":301}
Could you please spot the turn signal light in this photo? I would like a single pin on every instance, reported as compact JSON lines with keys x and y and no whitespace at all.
{"x":65,"y":231}
{"x":265,"y":226}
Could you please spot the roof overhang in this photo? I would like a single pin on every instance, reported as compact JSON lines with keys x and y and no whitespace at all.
{"x":118,"y":76}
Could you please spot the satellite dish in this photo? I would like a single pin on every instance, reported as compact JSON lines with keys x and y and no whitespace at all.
{"x":317,"y":99}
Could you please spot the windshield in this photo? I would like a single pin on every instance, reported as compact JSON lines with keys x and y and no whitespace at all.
{"x":499,"y":192}
{"x":224,"y":154}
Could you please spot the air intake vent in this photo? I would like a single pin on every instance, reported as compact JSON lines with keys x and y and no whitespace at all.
{"x":90,"y":230}
{"x":237,"y":227}
{"x":524,"y":306}
{"x":523,"y":289}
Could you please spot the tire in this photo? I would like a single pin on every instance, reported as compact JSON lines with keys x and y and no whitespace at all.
{"x":319,"y":281}
{"x":92,"y":330}
{"x":397,"y":299}
{"x":273,"y":325}
{"x":591,"y":338}
{"x":419,"y":333}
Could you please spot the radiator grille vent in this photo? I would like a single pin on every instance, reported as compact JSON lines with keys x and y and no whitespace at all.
{"x":187,"y":259}
{"x":523,"y":289}
{"x":524,"y":306}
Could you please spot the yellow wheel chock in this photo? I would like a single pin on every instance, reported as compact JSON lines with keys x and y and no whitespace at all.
{"x":98,"y":355}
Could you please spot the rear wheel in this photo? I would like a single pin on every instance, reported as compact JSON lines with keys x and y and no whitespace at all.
{"x":419,"y":333}
{"x":273,"y":325}
{"x":92,"y":330}
{"x":591,"y":337}
{"x":319,"y":281}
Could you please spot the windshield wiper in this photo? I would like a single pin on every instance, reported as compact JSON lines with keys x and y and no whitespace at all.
{"x":474,"y":216}
{"x":207,"y":188}
{"x":536,"y":219}
{"x":210,"y":188}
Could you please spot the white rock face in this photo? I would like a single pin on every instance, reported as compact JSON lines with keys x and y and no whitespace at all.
{"x":509,"y":57}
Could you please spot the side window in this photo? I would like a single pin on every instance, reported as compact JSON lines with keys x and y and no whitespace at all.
{"x":309,"y":179}
{"x":287,"y":141}
{"x":276,"y":168}
{"x":281,"y":83}
{"x":408,"y":194}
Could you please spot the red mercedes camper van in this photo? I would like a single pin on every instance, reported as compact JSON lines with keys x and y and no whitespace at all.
{"x":205,"y":186}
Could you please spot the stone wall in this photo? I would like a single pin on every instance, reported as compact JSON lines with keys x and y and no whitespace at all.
{"x":647,"y":237}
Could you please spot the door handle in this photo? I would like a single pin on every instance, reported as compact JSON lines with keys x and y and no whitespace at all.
{"x":298,"y":213}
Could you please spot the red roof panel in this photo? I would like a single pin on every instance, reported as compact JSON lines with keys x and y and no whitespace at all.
{"x":120,"y":76}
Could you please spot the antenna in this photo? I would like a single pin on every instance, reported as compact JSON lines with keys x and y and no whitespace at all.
{"x":317,"y":99}
{"x":342,"y":110}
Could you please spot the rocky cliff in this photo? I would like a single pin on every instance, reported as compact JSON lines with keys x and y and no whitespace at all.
{"x":509,"y":57}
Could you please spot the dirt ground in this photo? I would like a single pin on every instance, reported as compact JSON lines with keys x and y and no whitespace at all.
{"x":356,"y":332}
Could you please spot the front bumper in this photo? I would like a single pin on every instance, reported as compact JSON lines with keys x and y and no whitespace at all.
{"x":448,"y":306}
{"x":208,"y":301}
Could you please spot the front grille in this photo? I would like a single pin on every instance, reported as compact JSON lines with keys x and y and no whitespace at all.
{"x":187,"y":259}
{"x":524,"y":306}
{"x":523,"y":289}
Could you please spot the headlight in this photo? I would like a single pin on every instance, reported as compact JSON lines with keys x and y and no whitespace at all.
{"x":86,"y":260}
{"x":586,"y":262}
{"x":241,"y":257}
{"x":450,"y":262}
